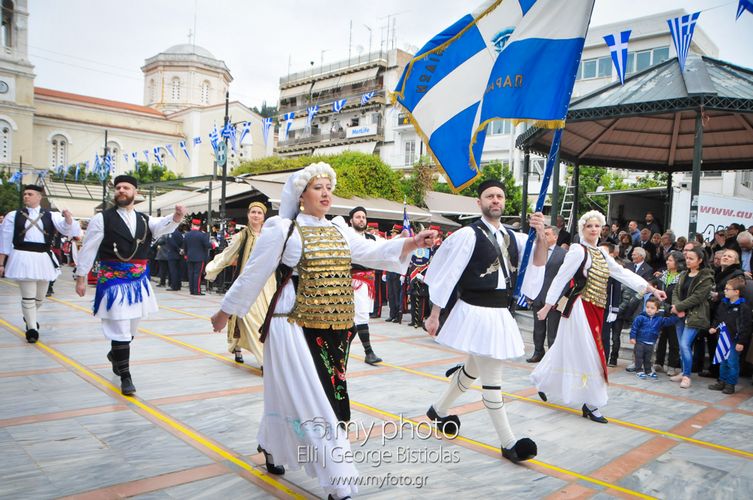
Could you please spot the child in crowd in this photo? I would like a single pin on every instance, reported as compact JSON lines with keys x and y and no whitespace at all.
{"x":644,"y":333}
{"x":735,"y":313}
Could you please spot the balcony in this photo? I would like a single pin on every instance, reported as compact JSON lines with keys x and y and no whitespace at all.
{"x":348,"y":135}
{"x":326,"y":99}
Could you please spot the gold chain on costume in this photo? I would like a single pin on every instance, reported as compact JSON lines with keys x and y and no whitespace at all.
{"x":595,"y":290}
{"x":324,"y":298}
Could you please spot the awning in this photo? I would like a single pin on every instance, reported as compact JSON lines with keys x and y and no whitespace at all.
{"x":359,"y":76}
{"x":360,"y":147}
{"x":167,"y":200}
{"x":295,"y":91}
{"x":322,"y":85}
{"x":81,"y":209}
{"x":200,"y":202}
{"x":451,"y":204}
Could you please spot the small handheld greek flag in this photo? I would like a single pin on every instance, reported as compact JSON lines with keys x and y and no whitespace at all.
{"x":367,"y":97}
{"x":682,"y":29}
{"x":406,"y":221}
{"x":724,"y":345}
{"x":182,"y":145}
{"x":338,"y":105}
{"x":619,"y":51}
{"x":169,"y":148}
{"x":266,"y":124}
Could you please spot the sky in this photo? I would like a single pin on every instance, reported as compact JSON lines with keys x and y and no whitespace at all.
{"x":97,"y":48}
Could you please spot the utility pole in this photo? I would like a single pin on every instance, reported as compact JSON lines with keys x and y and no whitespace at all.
{"x":223,"y":208}
{"x":21,"y":183}
{"x":105,"y":178}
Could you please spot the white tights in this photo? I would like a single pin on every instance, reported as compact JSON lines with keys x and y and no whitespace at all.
{"x":489,"y":370}
{"x":32,"y":295}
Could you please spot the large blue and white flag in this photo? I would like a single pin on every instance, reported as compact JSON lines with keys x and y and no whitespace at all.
{"x":682,"y":29}
{"x":512,"y":60}
{"x":619,"y":51}
{"x":338,"y":105}
{"x":182,"y":145}
{"x":266,"y":125}
{"x":367,"y":97}
{"x":245,"y":129}
{"x":157,"y":155}
{"x":169,"y":148}
{"x":723,"y":345}
{"x":312,"y":111}
{"x":288,"y":118}
{"x":742,"y":6}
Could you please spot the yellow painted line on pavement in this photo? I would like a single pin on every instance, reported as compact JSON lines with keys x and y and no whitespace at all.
{"x":583,"y":477}
{"x":174,"y":424}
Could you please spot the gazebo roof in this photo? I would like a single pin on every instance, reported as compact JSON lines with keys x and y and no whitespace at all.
{"x":649,"y":122}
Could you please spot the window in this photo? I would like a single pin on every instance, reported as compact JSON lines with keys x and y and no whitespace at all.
{"x":410,"y":153}
{"x":589,"y":68}
{"x":58,"y":151}
{"x":175,"y":86}
{"x":5,"y":141}
{"x":205,"y":92}
{"x":605,"y":67}
{"x":402,"y":119}
{"x":642,"y":60}
{"x":630,"y":63}
{"x":499,"y":127}
{"x":6,"y":35}
{"x":660,"y":55}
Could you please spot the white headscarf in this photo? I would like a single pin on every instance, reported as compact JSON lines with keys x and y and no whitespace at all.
{"x":296,"y":184}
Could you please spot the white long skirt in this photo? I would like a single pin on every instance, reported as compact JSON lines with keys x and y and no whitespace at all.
{"x":299,"y":427}
{"x":34,"y":266}
{"x":571,"y":370}
{"x":484,"y":331}
{"x":363,"y":303}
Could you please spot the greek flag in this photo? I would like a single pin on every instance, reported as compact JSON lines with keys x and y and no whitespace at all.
{"x":507,"y":60}
{"x":109,"y":164}
{"x":61,"y":171}
{"x":97,"y":164}
{"x":245,"y":129}
{"x":16,"y":178}
{"x":743,"y":6}
{"x":367,"y":97}
{"x":146,"y":155}
{"x":182,"y":145}
{"x":197,"y":140}
{"x":723,"y":345}
{"x":682,"y":29}
{"x":312,"y":111}
{"x":338,"y":105}
{"x":169,"y":148}
{"x":157,"y":155}
{"x":406,"y":221}
{"x":288,"y":117}
{"x":266,"y":125}
{"x":135,"y":157}
{"x":619,"y":51}
{"x":214,"y":137}
{"x":77,"y":172}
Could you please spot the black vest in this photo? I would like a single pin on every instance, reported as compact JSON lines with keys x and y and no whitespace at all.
{"x":478,"y":286}
{"x":355,"y":267}
{"x":19,"y":234}
{"x":117,"y":233}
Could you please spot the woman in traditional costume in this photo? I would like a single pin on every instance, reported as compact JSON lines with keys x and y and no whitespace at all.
{"x":574,"y":369}
{"x":309,"y":326}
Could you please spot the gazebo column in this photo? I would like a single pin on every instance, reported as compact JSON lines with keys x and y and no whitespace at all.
{"x":524,"y":205}
{"x":668,"y":205}
{"x":695,"y":185}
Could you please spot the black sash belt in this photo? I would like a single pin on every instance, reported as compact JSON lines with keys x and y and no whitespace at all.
{"x":486,"y":298}
{"x":28,"y":246}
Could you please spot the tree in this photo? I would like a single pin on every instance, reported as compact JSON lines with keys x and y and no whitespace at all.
{"x":590,"y":179}
{"x":493,"y":170}
{"x":9,"y":197}
{"x":419,"y":182}
{"x":69,"y":175}
{"x":145,"y":173}
{"x":266,"y":111}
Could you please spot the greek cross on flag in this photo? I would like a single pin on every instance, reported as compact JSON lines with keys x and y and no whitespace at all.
{"x":367,"y":97}
{"x":724,"y":345}
{"x":266,"y":124}
{"x":338,"y":105}
{"x":682,"y":29}
{"x":513,"y":60}
{"x":619,"y":51}
{"x":312,"y":111}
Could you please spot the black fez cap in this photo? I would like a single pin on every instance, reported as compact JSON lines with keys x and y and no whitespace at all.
{"x":489,"y":183}
{"x":358,"y":209}
{"x":126,"y":178}
{"x":34,"y":187}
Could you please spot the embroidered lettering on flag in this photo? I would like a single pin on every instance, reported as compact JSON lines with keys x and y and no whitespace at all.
{"x":682,"y":29}
{"x":512,"y":60}
{"x":619,"y":52}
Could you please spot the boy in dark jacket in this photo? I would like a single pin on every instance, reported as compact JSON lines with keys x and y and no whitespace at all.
{"x":734,"y":312}
{"x":644,"y":334}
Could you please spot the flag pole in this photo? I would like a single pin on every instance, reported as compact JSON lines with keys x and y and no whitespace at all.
{"x":551,"y":160}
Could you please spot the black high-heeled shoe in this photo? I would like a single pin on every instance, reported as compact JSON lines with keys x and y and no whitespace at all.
{"x":238,"y":356}
{"x":589,"y":414}
{"x":277,"y":470}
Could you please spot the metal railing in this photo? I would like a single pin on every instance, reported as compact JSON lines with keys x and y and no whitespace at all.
{"x":320,"y":138}
{"x":330,"y":98}
{"x":358,"y":60}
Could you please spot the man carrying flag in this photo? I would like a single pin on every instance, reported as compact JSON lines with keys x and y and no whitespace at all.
{"x":733,"y":323}
{"x":513,"y":60}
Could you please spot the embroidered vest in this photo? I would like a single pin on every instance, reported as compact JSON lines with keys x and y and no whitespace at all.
{"x":595,"y":290}
{"x":324,"y":295}
{"x":118,"y":244}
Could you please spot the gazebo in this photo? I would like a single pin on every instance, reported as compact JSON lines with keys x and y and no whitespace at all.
{"x":662,"y":119}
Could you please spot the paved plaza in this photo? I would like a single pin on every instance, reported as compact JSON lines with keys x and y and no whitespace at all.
{"x":190,"y":431}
